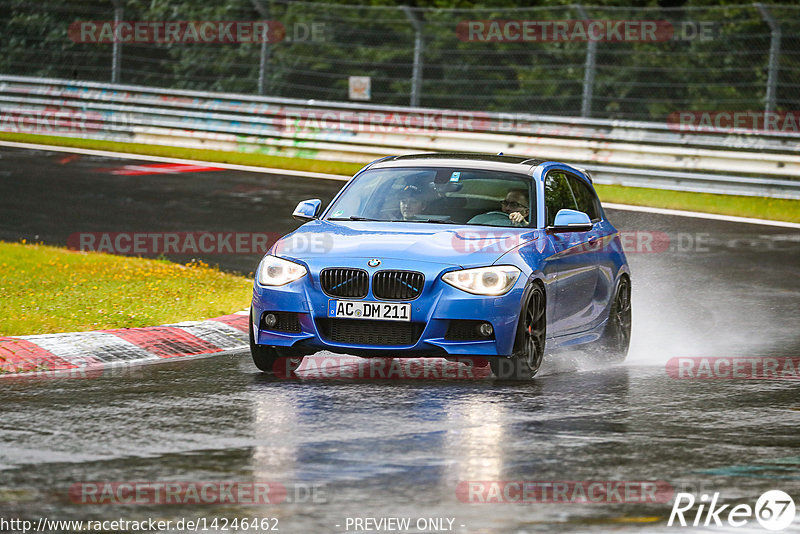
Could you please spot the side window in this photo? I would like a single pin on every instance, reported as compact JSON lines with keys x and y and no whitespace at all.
{"x":587,"y":202}
{"x":557,"y":196}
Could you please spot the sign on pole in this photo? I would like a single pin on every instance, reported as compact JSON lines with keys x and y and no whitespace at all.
{"x":360,"y":88}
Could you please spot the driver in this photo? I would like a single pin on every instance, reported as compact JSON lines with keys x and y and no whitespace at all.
{"x":412,"y":203}
{"x":513,"y":208}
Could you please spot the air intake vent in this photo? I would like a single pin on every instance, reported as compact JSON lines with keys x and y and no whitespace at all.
{"x":341,"y":282}
{"x":366,"y":332}
{"x":397,"y":285}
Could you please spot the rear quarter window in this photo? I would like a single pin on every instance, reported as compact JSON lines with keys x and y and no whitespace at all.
{"x":585,"y":198}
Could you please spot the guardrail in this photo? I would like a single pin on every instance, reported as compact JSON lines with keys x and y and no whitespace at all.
{"x":631,"y":153}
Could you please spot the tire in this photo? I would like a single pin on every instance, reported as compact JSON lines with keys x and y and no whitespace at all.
{"x":529,"y":342}
{"x":616,"y":338}
{"x":263,"y":356}
{"x":288,"y":362}
{"x":280,"y":361}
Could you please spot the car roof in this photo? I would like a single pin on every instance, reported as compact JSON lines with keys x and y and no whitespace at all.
{"x":498,"y":162}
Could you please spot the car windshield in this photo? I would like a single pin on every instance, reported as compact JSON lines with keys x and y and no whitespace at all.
{"x":437,"y":195}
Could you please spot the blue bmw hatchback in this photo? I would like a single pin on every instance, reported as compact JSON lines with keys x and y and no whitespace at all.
{"x":447,"y":255}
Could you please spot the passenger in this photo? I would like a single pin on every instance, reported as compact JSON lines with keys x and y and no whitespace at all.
{"x":412,"y":203}
{"x":513,"y":208}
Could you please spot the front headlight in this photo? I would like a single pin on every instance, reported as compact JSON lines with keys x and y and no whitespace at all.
{"x":495,"y":280}
{"x":275,"y":271}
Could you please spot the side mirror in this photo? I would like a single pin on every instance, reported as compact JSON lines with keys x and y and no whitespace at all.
{"x":307,"y":210}
{"x":570,"y":221}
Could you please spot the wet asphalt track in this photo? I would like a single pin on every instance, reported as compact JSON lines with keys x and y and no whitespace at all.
{"x":399,"y":448}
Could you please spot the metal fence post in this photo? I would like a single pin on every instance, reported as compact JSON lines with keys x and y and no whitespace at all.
{"x":264,"y":56}
{"x":416,"y":73}
{"x":262,"y":67}
{"x":588,"y":70}
{"x":116,"y":47}
{"x":774,"y":56}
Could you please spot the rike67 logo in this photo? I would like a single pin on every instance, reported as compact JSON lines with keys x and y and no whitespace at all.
{"x":774,"y":510}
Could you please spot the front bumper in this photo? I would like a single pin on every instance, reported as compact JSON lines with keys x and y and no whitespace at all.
{"x":431,"y":313}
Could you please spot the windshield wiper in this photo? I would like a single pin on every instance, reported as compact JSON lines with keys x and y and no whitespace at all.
{"x":352,"y":218}
{"x":433,"y":221}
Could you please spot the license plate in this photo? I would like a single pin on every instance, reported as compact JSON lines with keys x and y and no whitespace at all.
{"x":359,"y":309}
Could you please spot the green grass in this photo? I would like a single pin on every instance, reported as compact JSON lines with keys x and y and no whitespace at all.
{"x":742,"y":206}
{"x":777,"y":209}
{"x":48,"y":289}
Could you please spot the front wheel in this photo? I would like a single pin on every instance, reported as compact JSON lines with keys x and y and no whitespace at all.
{"x":283,"y":362}
{"x":528,"y":351}
{"x":616,"y":338}
{"x":263,"y":356}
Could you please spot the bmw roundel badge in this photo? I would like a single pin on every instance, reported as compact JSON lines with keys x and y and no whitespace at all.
{"x":374,"y":262}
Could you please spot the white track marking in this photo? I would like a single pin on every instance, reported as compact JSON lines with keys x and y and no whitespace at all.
{"x":90,"y":348}
{"x":103,"y":350}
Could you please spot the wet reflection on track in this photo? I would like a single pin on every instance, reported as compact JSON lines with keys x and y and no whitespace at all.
{"x":383,"y":444}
